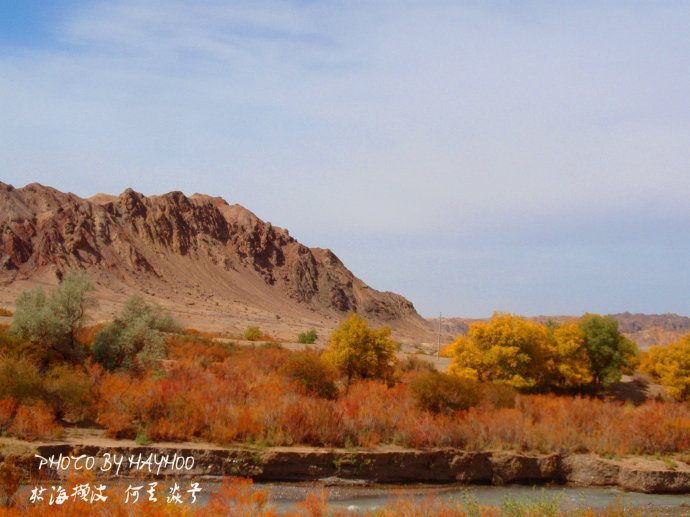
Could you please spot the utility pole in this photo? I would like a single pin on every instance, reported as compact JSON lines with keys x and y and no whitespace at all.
{"x":438,"y":347}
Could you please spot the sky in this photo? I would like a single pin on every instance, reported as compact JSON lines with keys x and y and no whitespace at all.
{"x":474,"y":156}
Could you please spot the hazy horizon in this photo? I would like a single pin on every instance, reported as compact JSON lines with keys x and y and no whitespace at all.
{"x":529,"y":158}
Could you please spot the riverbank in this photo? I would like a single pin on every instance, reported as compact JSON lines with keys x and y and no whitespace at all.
{"x":387,"y":464}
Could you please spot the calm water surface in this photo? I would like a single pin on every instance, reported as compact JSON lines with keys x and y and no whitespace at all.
{"x":283,"y":496}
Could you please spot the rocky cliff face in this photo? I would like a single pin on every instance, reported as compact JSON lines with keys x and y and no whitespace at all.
{"x":343,"y":467}
{"x":193,"y":251}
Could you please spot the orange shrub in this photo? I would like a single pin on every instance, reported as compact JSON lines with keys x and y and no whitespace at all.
{"x":311,"y":421}
{"x":239,"y":400}
{"x":116,"y":406}
{"x":315,"y":505}
{"x":34,"y":422}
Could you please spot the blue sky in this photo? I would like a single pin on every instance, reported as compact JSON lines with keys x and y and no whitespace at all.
{"x":529,"y":157}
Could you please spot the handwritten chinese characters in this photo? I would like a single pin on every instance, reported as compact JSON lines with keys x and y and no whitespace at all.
{"x":133,"y":494}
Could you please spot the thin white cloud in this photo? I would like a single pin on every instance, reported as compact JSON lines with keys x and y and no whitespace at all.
{"x":372,"y":119}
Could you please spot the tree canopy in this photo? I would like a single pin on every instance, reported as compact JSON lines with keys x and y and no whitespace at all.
{"x":508,"y":348}
{"x":609,"y":351}
{"x":571,"y":355}
{"x":569,"y":363}
{"x":134,"y":340}
{"x":54,"y":320}
{"x":670,"y":366}
{"x":358,"y":351}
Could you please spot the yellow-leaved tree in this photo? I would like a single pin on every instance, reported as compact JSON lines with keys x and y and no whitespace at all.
{"x":569,"y":362}
{"x":670,"y":366}
{"x":358,"y":351}
{"x":507,"y":349}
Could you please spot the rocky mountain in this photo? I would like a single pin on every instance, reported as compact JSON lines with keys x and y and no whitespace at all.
{"x":215,"y":264}
{"x":638,"y":322}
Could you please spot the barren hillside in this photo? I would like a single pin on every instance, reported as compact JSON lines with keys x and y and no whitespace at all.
{"x":215,"y":265}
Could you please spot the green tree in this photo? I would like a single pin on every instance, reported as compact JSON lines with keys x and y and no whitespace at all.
{"x":610,"y":352}
{"x":358,"y":351}
{"x":307,"y":338}
{"x":134,"y":340}
{"x":54,"y":321}
{"x":152,"y":315}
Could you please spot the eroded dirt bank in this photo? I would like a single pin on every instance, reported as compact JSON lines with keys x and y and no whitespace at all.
{"x":384,"y":465}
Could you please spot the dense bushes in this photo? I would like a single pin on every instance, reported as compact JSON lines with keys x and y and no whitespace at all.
{"x":276,"y":397}
{"x":20,"y":380}
{"x":244,"y":399}
{"x":199,"y":348}
{"x":69,"y":392}
{"x":64,"y":389}
{"x":312,"y":373}
{"x":442,"y":393}
{"x":224,"y":393}
{"x":27,"y":421}
{"x":415,"y":364}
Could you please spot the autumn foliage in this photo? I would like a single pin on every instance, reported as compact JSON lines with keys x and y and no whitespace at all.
{"x":242,"y":399}
{"x":361,"y":352}
{"x":527,"y":355}
{"x":355,"y":394}
{"x":670,"y":366}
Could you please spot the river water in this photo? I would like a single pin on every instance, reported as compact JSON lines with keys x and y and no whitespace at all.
{"x":283,"y":496}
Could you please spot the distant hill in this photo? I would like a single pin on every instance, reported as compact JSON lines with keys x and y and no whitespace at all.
{"x":217,"y":266}
{"x":637,"y":322}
